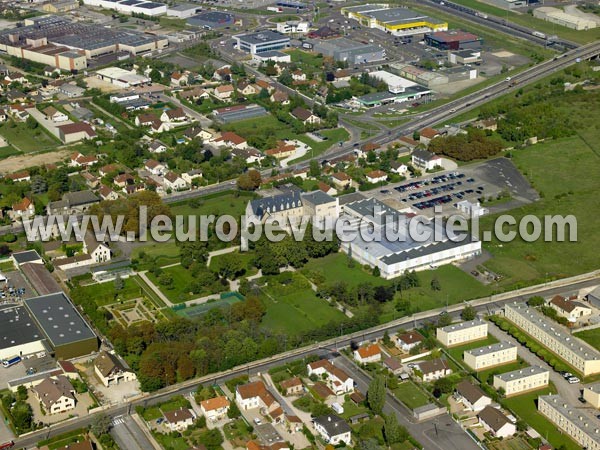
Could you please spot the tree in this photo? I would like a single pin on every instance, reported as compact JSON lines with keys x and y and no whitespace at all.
{"x":435,"y":284}
{"x":119,"y":284}
{"x":444,"y":319}
{"x":376,"y":394}
{"x":444,"y":385}
{"x":234,"y":411}
{"x":229,"y":265}
{"x":249,"y":181}
{"x":386,"y":339}
{"x":376,"y":272}
{"x":166,"y":279}
{"x":155,"y":76}
{"x":31,"y":123}
{"x":392,"y":431}
{"x":468,"y":313}
{"x":101,"y":425}
{"x":22,"y":393}
{"x":536,"y":301}
{"x":212,"y":439}
{"x":315,"y":169}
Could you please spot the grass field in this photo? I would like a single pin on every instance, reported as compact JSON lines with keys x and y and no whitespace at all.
{"x":334,"y":267}
{"x":196,"y":311}
{"x":231,"y":204}
{"x":565,"y":192}
{"x":27,"y":140}
{"x":592,"y":337}
{"x":528,"y":20}
{"x":182,"y":280}
{"x":484,"y":374}
{"x":335,"y":136}
{"x":525,"y":407}
{"x":105,"y":293}
{"x":154,"y":412}
{"x":409,"y":394}
{"x":457,"y":352}
{"x":5,"y":152}
{"x":306,"y":59}
{"x":163,"y":253}
{"x":294,"y":308}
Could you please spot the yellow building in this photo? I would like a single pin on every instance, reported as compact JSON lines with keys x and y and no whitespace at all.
{"x":591,"y":394}
{"x":490,"y":355}
{"x":397,"y":21}
{"x":61,"y":6}
{"x":555,"y":337}
{"x":462,"y":333}
{"x":522,"y":380}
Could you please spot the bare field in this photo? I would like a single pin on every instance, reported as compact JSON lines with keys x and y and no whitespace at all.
{"x":15,"y":163}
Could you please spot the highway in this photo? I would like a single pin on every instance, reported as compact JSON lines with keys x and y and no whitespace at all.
{"x":322,"y":348}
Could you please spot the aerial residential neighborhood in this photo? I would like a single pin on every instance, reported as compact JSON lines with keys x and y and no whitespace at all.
{"x":277,"y":225}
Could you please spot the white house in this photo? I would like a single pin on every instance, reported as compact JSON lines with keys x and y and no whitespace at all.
{"x":56,"y":394}
{"x":22,"y":210}
{"x":471,"y":396}
{"x":98,"y":251}
{"x":398,"y":168}
{"x":407,"y":341}
{"x":569,"y":309}
{"x":191,"y":175}
{"x":110,"y":370}
{"x":224,"y":92}
{"x":155,"y":167}
{"x":231,"y":139}
{"x":376,"y":176}
{"x":215,"y":408}
{"x":367,"y":354}
{"x":255,"y":395}
{"x":174,"y":182}
{"x":173,"y":115}
{"x":180,"y":419}
{"x":157,"y":146}
{"x":337,"y":380}
{"x":53,"y":114}
{"x":434,"y":369}
{"x":496,"y":423}
{"x":425,"y":160}
{"x":333,"y":429}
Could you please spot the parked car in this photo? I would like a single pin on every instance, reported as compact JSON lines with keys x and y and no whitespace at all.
{"x":573,"y":380}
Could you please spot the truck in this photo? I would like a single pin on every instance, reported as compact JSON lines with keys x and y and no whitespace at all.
{"x":539,"y":34}
{"x":7,"y":445}
{"x":11,"y":361}
{"x":276,"y":9}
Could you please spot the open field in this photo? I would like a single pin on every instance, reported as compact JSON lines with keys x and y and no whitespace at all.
{"x":457,"y":352}
{"x":228,"y":204}
{"x":180,"y":288}
{"x":27,"y":140}
{"x":105,"y":293}
{"x":409,"y":394}
{"x":592,"y":337}
{"x":525,"y":407}
{"x":335,"y":136}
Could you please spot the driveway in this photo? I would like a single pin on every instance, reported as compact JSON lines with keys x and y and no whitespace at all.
{"x":570,"y":392}
{"x":441,"y":433}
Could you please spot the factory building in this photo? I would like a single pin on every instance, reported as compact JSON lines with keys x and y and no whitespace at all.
{"x":19,"y":336}
{"x":130,"y":6}
{"x":559,"y":17}
{"x":454,"y":40}
{"x":211,"y":20}
{"x":343,"y":49}
{"x":121,"y":77}
{"x":401,"y":253}
{"x":183,"y":10}
{"x":555,"y":337}
{"x":65,"y":330}
{"x":575,"y":422}
{"x":262,"y":41}
{"x":396,"y":21}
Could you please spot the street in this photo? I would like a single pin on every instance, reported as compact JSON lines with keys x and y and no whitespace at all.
{"x":128,"y":435}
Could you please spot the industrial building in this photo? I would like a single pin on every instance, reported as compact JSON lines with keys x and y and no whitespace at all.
{"x":183,"y":10}
{"x":555,"y":337}
{"x":343,"y":49}
{"x":509,"y":4}
{"x":575,"y":422}
{"x":262,"y":41}
{"x":453,"y":40}
{"x":65,"y":330}
{"x":464,"y":57}
{"x":462,"y":332}
{"x":57,"y":42}
{"x":130,"y":6}
{"x":396,"y":251}
{"x":19,"y":335}
{"x":490,"y":356}
{"x":522,"y":380}
{"x":239,"y":112}
{"x":383,"y":98}
{"x":293,"y":27}
{"x":433,"y":79}
{"x":395,"y":83}
{"x":211,"y":20}
{"x":559,"y":17}
{"x":396,"y":21}
{"x":121,"y":77}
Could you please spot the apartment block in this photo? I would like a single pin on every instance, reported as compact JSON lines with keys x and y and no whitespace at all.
{"x":462,"y":333}
{"x":591,"y":394}
{"x":522,"y":380}
{"x":555,"y":337}
{"x":490,"y":355}
{"x":582,"y":428}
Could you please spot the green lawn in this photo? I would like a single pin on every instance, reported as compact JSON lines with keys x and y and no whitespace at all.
{"x":410,"y":394}
{"x":352,"y":409}
{"x":529,"y":21}
{"x":306,"y":59}
{"x":105,"y":293}
{"x":335,"y":136}
{"x":565,"y":192}
{"x":231,"y":203}
{"x":180,"y":290}
{"x":246,"y":259}
{"x":295,"y":308}
{"x":169,"y":442}
{"x":26,"y":139}
{"x":457,"y":352}
{"x":525,"y":407}
{"x":484,"y":374}
{"x":154,"y":412}
{"x":163,"y":253}
{"x":334,"y":267}
{"x":5,"y":152}
{"x":592,"y":337}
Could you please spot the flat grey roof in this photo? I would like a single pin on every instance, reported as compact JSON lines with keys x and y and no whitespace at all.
{"x":59,"y":320}
{"x":183,"y":7}
{"x":17,"y":327}
{"x":463,"y":325}
{"x":555,"y":331}
{"x":578,"y":416}
{"x":262,"y":37}
{"x":486,"y":350}
{"x":318,"y":198}
{"x":521,"y":373}
{"x":26,"y":256}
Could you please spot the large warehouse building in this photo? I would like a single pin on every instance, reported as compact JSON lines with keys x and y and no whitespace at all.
{"x":130,"y":6}
{"x":210,"y":20}
{"x":343,"y":49}
{"x":57,"y":42}
{"x":402,"y":253}
{"x":454,"y":40}
{"x":396,"y":21}
{"x":263,"y":41}
{"x":19,"y":336}
{"x":560,"y":17}
{"x":65,"y":330}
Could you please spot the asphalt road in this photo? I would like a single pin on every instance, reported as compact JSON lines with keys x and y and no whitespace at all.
{"x":442,"y":433}
{"x":264,"y":365}
{"x":128,"y":435}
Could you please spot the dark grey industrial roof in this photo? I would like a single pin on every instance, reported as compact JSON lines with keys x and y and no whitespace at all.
{"x":318,"y":198}
{"x":80,"y":198}
{"x":40,"y":278}
{"x":26,"y":256}
{"x":334,"y":425}
{"x":262,"y":37}
{"x":17,"y":327}
{"x":426,"y":250}
{"x":59,"y":320}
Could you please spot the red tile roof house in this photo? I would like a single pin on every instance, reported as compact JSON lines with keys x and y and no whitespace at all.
{"x":367,"y":354}
{"x":341,"y":180}
{"x":337,"y":379}
{"x":22,"y":210}
{"x":305,"y":116}
{"x":80,"y":160}
{"x":255,"y":395}
{"x":376,"y":176}
{"x":19,"y":176}
{"x":215,"y":408}
{"x":426,"y":135}
{"x":407,"y":341}
{"x":231,"y":139}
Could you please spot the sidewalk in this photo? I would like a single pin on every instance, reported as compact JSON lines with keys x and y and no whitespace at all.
{"x":156,"y":290}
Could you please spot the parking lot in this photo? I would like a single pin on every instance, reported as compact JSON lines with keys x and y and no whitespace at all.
{"x":473,"y":183}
